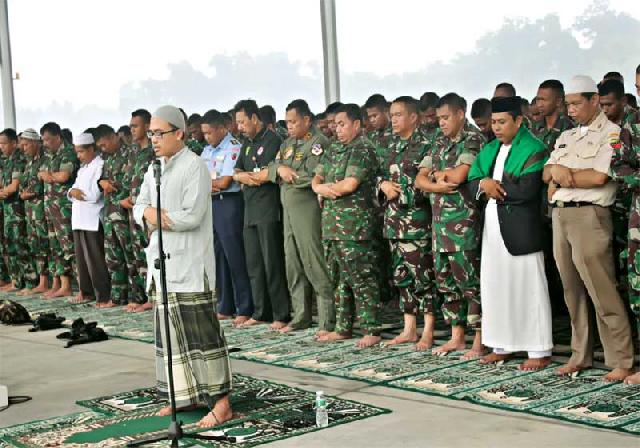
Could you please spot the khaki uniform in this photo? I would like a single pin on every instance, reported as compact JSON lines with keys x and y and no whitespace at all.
{"x":582,"y":246}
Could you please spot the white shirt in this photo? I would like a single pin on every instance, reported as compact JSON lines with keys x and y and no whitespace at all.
{"x":85,"y":215}
{"x":185,"y":194}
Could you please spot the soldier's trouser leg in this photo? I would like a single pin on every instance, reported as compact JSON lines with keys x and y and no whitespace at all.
{"x":458,"y":281}
{"x":413,"y":275}
{"x":582,"y":248}
{"x":138,"y":269}
{"x":620,"y":220}
{"x":299,"y":287}
{"x":264,"y":250}
{"x":4,"y":271}
{"x":634,"y":279}
{"x":354,"y":269}
{"x":62,"y":227}
{"x":93,"y":277}
{"x":14,"y":239}
{"x":305,"y":244}
{"x":116,"y":262}
{"x":37,"y":237}
{"x":234,"y":286}
{"x":55,"y":265}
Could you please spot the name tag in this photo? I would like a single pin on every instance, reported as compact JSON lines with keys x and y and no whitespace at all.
{"x":256,"y":170}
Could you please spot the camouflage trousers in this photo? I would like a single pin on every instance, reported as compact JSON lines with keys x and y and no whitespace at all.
{"x":458,"y":282}
{"x":354,"y":269}
{"x":20,"y":265}
{"x":4,"y":273}
{"x":413,"y":275}
{"x":37,"y":236}
{"x":127,"y":284}
{"x":634,"y":279}
{"x":139,"y":242}
{"x":620,"y":220}
{"x":60,"y":236}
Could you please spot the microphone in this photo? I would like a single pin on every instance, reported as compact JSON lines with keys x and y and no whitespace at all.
{"x":157,"y":170}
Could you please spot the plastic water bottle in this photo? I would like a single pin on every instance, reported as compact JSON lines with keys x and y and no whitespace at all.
{"x":322,"y":417}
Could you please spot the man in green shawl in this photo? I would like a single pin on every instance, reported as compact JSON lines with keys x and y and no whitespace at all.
{"x":507,"y":174}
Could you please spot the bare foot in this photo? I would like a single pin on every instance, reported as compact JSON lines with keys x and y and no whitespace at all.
{"x":240,"y":320}
{"x":131,"y":307}
{"x":425,"y":342}
{"x":62,"y":293}
{"x":633,"y":379}
{"x":25,"y":292}
{"x":321,"y":333}
{"x":532,"y":364}
{"x":569,"y":369}
{"x":617,"y":374}
{"x":141,"y":308}
{"x":332,"y":337}
{"x":81,"y":299}
{"x":494,"y":358}
{"x":368,"y":341}
{"x":477,"y":349}
{"x":251,"y":322}
{"x":8,"y":287}
{"x":49,"y":294}
{"x":277,"y":325}
{"x":223,"y":316}
{"x":451,"y":346}
{"x":39,"y":289}
{"x":286,"y":329}
{"x":163,"y":412}
{"x":220,"y":414}
{"x":108,"y":304}
{"x":403,"y":338}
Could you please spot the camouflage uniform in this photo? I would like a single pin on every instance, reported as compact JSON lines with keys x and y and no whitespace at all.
{"x":4,"y":274}
{"x":21,"y":269}
{"x":117,"y":242}
{"x":58,"y":208}
{"x":139,"y":160}
{"x":381,"y":138}
{"x":37,"y":233}
{"x":625,"y":166}
{"x":456,"y":230}
{"x":430,"y":132}
{"x":350,"y":237}
{"x":407,"y":225}
{"x":549,"y":136}
{"x":196,"y":146}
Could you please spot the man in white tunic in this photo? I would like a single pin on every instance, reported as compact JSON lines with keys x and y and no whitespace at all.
{"x":515,"y":301}
{"x":201,"y":369}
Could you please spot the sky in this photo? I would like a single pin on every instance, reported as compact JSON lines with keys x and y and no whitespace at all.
{"x":82,"y":52}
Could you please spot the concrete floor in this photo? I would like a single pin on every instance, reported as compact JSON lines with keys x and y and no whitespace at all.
{"x":36,"y":364}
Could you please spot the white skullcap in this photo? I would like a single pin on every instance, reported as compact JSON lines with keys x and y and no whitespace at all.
{"x":30,"y":134}
{"x":581,"y":84}
{"x":83,"y":139}
{"x":171,"y":115}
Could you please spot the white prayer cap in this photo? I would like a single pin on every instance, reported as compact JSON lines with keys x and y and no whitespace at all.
{"x":30,"y":134}
{"x":171,"y":115}
{"x":83,"y":139}
{"x":581,"y":84}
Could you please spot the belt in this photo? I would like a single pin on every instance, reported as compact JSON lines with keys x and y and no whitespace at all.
{"x":569,"y":204}
{"x":221,"y":196}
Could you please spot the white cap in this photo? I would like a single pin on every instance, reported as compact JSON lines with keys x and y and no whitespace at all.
{"x":30,"y":134}
{"x":171,"y":115}
{"x":83,"y":139}
{"x":581,"y":84}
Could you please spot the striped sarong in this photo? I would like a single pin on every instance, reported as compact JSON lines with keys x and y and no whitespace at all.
{"x":201,"y":367}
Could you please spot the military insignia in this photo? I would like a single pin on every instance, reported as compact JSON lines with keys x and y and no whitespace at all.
{"x":246,"y":152}
{"x":307,"y":136}
{"x":234,"y":141}
{"x":260,"y":151}
{"x":299,"y":155}
{"x":288,"y":153}
{"x":616,"y":145}
{"x":316,"y":149}
{"x":234,"y":156}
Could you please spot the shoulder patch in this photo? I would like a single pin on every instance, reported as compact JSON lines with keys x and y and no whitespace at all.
{"x":316,"y":149}
{"x":260,"y":151}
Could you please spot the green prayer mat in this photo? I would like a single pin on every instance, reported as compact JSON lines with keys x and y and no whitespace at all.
{"x":284,"y":350}
{"x":263,"y":412}
{"x":454,"y":380}
{"x":614,"y":407}
{"x":537,"y":389}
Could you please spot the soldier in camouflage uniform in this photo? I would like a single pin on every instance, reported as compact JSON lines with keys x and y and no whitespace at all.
{"x":58,"y":172}
{"x":5,"y":281}
{"x":612,"y":102}
{"x":32,"y":193}
{"x":407,"y":218}
{"x":20,"y":266}
{"x":118,"y":248}
{"x":196,"y":141}
{"x":428,"y":119}
{"x":345,"y":180}
{"x":456,"y":221}
{"x":140,"y":156}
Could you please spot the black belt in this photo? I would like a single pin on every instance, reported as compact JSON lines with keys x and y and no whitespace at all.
{"x":578,"y":204}
{"x":220,"y":196}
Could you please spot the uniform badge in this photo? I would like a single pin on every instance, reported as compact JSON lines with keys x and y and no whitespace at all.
{"x":316,"y":149}
{"x":562,"y":146}
{"x":234,"y":156}
{"x":260,"y":151}
{"x":288,"y":153}
{"x":299,"y":155}
{"x":307,"y":136}
{"x":278,"y":155}
{"x":246,"y":151}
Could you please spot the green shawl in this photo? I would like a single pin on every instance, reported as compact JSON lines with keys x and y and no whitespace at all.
{"x":527,"y":155}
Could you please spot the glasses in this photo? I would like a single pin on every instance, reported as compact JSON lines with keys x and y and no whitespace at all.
{"x":159,"y":134}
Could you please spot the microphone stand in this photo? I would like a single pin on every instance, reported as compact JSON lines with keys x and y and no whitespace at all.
{"x":174,"y":432}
